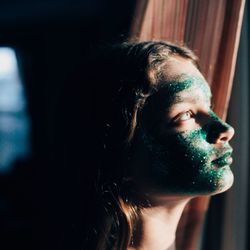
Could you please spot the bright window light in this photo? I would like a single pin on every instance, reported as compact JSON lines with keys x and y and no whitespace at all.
{"x":14,"y":122}
{"x":8,"y":64}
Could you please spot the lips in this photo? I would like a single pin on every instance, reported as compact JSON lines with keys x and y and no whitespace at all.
{"x":224,"y":160}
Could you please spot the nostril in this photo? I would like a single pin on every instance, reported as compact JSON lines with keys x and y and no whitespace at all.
{"x":226,"y":135}
{"x":224,"y":138}
{"x":219,"y":133}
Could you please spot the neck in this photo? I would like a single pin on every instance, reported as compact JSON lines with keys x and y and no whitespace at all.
{"x":157,"y":227}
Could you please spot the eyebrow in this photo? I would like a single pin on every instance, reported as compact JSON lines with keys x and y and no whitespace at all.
{"x":188,"y":99}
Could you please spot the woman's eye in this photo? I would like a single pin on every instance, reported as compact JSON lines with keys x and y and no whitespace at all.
{"x":184,"y":116}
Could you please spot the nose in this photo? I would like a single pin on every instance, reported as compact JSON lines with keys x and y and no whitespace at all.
{"x":219,"y":132}
{"x":225,"y":136}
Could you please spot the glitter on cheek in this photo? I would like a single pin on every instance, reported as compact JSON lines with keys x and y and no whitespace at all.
{"x":183,"y":164}
{"x":207,"y":178}
{"x":198,"y":151}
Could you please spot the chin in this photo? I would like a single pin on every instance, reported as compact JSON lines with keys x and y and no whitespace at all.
{"x":225,"y":182}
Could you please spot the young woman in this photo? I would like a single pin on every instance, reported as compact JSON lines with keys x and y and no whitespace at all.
{"x":158,"y":145}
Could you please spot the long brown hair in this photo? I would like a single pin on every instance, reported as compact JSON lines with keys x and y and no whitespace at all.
{"x":125,"y":77}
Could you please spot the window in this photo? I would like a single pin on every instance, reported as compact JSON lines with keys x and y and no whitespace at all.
{"x":14,"y":122}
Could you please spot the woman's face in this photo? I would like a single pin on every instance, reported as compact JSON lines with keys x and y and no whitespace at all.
{"x":183,"y":147}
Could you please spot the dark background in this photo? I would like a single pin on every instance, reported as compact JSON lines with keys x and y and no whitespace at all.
{"x":41,"y":198}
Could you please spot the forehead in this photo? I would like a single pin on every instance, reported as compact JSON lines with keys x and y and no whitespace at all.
{"x":177,"y":66}
{"x":181,"y":83}
{"x":185,"y":89}
{"x":181,"y":77}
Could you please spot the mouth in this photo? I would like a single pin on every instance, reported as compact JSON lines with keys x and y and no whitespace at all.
{"x":224,"y":160}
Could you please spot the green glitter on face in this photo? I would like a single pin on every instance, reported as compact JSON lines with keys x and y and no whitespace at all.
{"x":187,"y":162}
{"x":186,"y":83}
{"x":184,"y":164}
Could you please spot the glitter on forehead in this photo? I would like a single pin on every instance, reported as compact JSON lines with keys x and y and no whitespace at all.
{"x":185,"y":82}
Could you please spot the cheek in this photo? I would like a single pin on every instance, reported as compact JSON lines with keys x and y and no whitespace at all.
{"x":182,"y":153}
{"x":194,"y":146}
{"x":181,"y":164}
